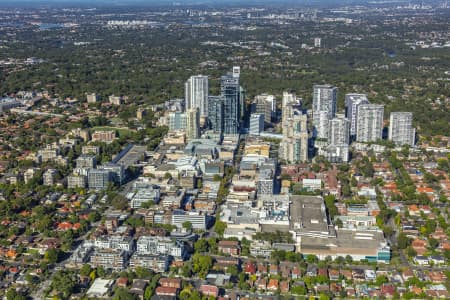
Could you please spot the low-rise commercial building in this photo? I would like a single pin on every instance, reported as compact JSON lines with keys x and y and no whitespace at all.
{"x":198,"y":220}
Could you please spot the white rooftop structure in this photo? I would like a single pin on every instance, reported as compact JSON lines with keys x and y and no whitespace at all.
{"x":100,"y":288}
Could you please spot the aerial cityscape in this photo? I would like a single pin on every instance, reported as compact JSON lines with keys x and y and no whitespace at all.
{"x":224,"y":149}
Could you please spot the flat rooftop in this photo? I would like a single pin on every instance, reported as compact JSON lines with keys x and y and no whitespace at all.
{"x":357,"y":242}
{"x":130,"y":155}
{"x":308,"y":214}
{"x":239,"y":215}
{"x":100,"y":287}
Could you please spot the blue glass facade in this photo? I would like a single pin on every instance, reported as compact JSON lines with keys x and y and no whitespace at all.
{"x":230,"y":90}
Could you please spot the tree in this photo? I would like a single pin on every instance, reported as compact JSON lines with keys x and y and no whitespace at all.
{"x":201,"y":246}
{"x":119,"y":202}
{"x":187,"y":225}
{"x":94,"y":216}
{"x":148,"y":204}
{"x":294,"y":257}
{"x":403,"y":241}
{"x":381,"y":280}
{"x":212,"y":245}
{"x":135,"y":222}
{"x":52,"y":255}
{"x":447,"y":254}
{"x":279,"y":255}
{"x":388,"y":231}
{"x":339,"y":260}
{"x":411,"y":252}
{"x":101,"y":271}
{"x":12,"y":294}
{"x":85,"y":270}
{"x":148,"y":292}
{"x":243,"y":285}
{"x":186,"y":270}
{"x":93,"y":275}
{"x":348,"y":259}
{"x":233,"y":270}
{"x":330,"y":204}
{"x":31,"y":279}
{"x":298,"y":290}
{"x":202,"y":264}
{"x":346,"y":191}
{"x":199,"y":183}
{"x":123,"y":294}
{"x":315,"y":168}
{"x":143,"y":273}
{"x":311,"y":259}
{"x":64,"y":282}
{"x":219,"y":227}
{"x":324,"y":297}
{"x":434,"y":243}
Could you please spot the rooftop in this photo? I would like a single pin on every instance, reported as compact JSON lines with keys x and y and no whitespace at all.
{"x":308,"y":215}
{"x":100,"y":287}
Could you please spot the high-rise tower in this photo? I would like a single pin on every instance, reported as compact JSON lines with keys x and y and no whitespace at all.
{"x":401,"y":131}
{"x":352,"y":101}
{"x":196,"y":94}
{"x":369,"y":122}
{"x":231,"y":91}
{"x":324,"y":108}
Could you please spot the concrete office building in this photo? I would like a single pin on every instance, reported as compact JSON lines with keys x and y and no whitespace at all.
{"x":145,"y":194}
{"x":401,"y":131}
{"x":98,"y":179}
{"x":192,"y":123}
{"x":352,"y":102}
{"x":256,"y":124}
{"x":86,"y":161}
{"x":76,"y":181}
{"x":198,"y":221}
{"x":196,"y":94}
{"x":324,"y":107}
{"x":369,"y":122}
{"x":117,"y":174}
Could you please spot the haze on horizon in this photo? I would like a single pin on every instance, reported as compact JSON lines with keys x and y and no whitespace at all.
{"x":182,"y":2}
